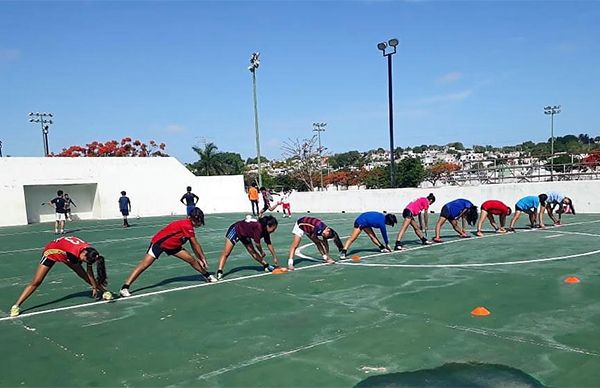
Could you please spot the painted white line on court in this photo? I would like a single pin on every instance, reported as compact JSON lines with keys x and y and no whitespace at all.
{"x":555,"y":235}
{"x":563,"y":232}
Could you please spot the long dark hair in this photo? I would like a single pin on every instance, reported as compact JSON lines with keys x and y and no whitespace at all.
{"x":197,"y":216}
{"x":543,"y":198}
{"x":471,"y":215}
{"x":336,"y":239}
{"x":268,"y":221}
{"x":92,"y":256}
{"x":431,"y":197}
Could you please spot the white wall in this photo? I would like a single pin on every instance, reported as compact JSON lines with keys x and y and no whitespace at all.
{"x":154,"y":186}
{"x":584,"y":195}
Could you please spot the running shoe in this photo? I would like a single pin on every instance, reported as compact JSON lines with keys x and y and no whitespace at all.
{"x":15,"y":310}
{"x":219,"y":275}
{"x":269,"y":268}
{"x":124,"y":292}
{"x":211,"y":279}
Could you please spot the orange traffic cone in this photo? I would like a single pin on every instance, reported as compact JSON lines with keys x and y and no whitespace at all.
{"x":480,"y":312}
{"x":572,"y":280}
{"x":355,"y":258}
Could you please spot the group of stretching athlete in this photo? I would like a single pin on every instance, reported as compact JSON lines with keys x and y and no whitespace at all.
{"x":74,"y":252}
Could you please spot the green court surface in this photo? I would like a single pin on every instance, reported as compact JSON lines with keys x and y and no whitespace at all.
{"x":400,"y":318}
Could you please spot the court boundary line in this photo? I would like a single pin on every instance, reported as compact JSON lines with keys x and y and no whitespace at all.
{"x":225,"y":281}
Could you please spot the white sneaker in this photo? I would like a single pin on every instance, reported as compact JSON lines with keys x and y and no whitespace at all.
{"x":211,"y":279}
{"x":124,"y":292}
{"x":15,"y":310}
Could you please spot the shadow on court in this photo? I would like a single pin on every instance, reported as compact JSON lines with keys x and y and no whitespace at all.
{"x":66,"y":297}
{"x":456,"y":375}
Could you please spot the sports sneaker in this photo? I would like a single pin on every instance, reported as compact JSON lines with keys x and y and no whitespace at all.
{"x":398,"y":246}
{"x":343,"y":254}
{"x":384,"y":250}
{"x":248,"y":218}
{"x":211,"y":279}
{"x":15,"y":310}
{"x":219,"y":275}
{"x":437,"y":240}
{"x":269,"y":268}
{"x":124,"y":292}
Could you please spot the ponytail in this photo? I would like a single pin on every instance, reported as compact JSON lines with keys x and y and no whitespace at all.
{"x":471,"y":215}
{"x":431,"y":197}
{"x":101,"y":271}
{"x":337,"y":240}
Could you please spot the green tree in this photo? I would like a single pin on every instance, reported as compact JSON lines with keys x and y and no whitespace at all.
{"x":231,"y":163}
{"x":377,"y":178}
{"x":409,"y":172}
{"x":209,"y":163}
{"x":346,"y":159}
{"x":255,"y":160}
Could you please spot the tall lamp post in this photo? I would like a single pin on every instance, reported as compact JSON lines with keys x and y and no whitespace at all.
{"x":552,"y":110}
{"x":45,"y":121}
{"x":318,"y":128}
{"x":393,"y":43}
{"x":254,"y":63}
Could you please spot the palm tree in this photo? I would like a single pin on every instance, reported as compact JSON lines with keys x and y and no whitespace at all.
{"x":209,"y":163}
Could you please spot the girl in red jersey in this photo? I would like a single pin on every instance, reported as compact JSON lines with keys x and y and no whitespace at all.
{"x":313,"y":228}
{"x":170,"y":240}
{"x":247,"y":231}
{"x":492,"y":208}
{"x":73,"y":252}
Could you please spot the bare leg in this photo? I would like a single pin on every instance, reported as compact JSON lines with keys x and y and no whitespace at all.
{"x":225,"y":254}
{"x":372,"y":236}
{"x":146,"y":262}
{"x":38,"y":278}
{"x":514,"y":219}
{"x":438,"y":227}
{"x":482,"y":217}
{"x":403,"y":229}
{"x":352,"y":238}
{"x":196,"y":264}
{"x":295,"y":242}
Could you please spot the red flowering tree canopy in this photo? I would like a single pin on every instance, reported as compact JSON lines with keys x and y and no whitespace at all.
{"x":126,"y":147}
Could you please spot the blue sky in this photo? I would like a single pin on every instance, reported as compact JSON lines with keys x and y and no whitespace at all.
{"x":176,"y":72}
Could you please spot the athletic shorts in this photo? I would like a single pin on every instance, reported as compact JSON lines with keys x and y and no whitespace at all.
{"x":297,"y":231}
{"x":155,"y":250}
{"x":232,"y":236}
{"x":518,"y":209}
{"x":125,"y":212}
{"x":61,"y":216}
{"x":407,"y":214}
{"x":47,"y":262}
{"x":285,"y":205}
{"x":359,"y":226}
{"x":446,"y":213}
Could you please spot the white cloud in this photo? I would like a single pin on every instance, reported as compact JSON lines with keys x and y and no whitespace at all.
{"x":9,"y":54}
{"x":175,"y":128}
{"x":449,"y":97}
{"x":449,"y":78}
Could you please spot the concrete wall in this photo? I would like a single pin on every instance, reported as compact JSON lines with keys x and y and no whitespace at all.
{"x":154,"y":186}
{"x":584,"y":194}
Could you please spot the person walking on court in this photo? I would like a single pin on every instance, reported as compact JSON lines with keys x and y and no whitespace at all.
{"x":266,"y":197}
{"x":367,"y":221}
{"x":492,"y":208}
{"x":72,"y":251}
{"x":318,"y":232}
{"x":68,"y":203}
{"x":415,"y":208}
{"x":189,"y":199}
{"x":125,"y":208}
{"x":58,"y":203}
{"x":253,"y":197}
{"x":248,"y":231}
{"x":462,"y":209}
{"x":170,"y":240}
{"x":530,"y":205}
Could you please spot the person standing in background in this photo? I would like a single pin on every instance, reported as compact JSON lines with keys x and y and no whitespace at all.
{"x":190,"y":200}
{"x":58,"y":203}
{"x":68,"y":203}
{"x":125,"y":208}
{"x":253,"y":197}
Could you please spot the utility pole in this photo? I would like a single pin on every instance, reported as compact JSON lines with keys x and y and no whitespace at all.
{"x":393,"y":43}
{"x":552,"y":110}
{"x":254,"y":63}
{"x":41,"y":118}
{"x":318,"y":128}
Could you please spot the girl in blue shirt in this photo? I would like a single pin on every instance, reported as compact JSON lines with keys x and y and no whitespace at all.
{"x":367,"y":221}
{"x":529,"y":205}
{"x":554,"y":199}
{"x":453,"y":211}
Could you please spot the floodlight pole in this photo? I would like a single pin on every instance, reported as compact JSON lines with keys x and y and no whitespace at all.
{"x":38,"y":117}
{"x":320,"y":127}
{"x":254,"y":63}
{"x":552,"y":110}
{"x":393,"y":43}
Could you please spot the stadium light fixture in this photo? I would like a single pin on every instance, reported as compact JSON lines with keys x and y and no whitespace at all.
{"x":393,"y":43}
{"x":552,"y":110}
{"x":43,"y":119}
{"x":320,"y":127}
{"x":254,"y":64}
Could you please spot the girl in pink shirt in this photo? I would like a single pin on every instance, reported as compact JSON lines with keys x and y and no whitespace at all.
{"x":414,"y":209}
